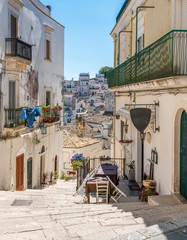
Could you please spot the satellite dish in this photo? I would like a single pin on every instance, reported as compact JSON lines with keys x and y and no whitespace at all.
{"x":140,"y":118}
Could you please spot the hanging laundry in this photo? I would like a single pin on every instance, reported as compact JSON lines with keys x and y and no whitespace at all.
{"x":29,"y":114}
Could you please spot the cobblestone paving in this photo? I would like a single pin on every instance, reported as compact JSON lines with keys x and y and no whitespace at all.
{"x":54,"y":214}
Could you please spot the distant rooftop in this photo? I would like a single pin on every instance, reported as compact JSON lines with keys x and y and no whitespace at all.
{"x":72,"y":141}
{"x":84,"y":74}
{"x":121,"y":10}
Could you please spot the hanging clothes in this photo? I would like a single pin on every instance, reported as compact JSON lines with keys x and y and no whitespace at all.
{"x":29,"y":114}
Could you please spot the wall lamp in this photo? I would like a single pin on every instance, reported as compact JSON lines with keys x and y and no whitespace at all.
{"x":137,"y":23}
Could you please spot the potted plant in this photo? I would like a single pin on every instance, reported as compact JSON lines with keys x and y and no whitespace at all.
{"x":78,"y":160}
{"x":46,"y":108}
{"x":125,"y":141}
{"x":56,"y":175}
{"x":63,"y":176}
{"x":145,"y":193}
{"x":131,"y":175}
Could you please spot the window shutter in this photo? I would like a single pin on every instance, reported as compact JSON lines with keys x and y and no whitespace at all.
{"x":12,"y":94}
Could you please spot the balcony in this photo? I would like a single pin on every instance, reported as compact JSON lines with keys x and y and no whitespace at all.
{"x":164,"y":58}
{"x":17,"y":48}
{"x":12,"y":118}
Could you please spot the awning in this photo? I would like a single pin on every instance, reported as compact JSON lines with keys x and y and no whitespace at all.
{"x":124,"y":113}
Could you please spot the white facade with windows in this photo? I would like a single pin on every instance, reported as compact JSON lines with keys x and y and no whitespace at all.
{"x":31,"y":74}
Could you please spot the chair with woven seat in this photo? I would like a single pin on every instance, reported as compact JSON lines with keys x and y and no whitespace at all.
{"x":102,"y":190}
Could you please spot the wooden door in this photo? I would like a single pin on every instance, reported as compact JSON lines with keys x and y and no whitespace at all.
{"x":20,"y":172}
{"x":56,"y":166}
{"x":183,"y":156}
{"x":29,"y":173}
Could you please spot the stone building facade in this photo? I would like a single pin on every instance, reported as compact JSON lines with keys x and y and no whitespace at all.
{"x":31,"y":74}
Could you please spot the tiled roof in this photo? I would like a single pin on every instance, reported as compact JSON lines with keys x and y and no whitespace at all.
{"x":73,"y":141}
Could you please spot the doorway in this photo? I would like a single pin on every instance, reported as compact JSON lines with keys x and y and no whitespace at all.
{"x":29,"y":173}
{"x":56,"y":164}
{"x":20,"y":172}
{"x":42,"y":168}
{"x":183,"y":155}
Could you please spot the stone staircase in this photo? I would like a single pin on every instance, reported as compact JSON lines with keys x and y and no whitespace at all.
{"x":56,"y":214}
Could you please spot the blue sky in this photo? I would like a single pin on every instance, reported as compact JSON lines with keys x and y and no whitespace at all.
{"x":88,"y":23}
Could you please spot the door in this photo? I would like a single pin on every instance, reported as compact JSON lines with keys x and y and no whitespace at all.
{"x":56,"y":168}
{"x":13,"y":34}
{"x":42,"y":168}
{"x":20,"y":172}
{"x":29,"y":173}
{"x":183,"y":156}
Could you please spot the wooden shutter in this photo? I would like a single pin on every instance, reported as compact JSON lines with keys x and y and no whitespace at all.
{"x":12,"y":94}
{"x":48,"y":49}
{"x":13,"y":27}
{"x":122,"y":125}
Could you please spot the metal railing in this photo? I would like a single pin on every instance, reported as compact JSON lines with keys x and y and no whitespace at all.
{"x":12,"y":117}
{"x":92,"y":163}
{"x":17,"y":48}
{"x":164,"y":58}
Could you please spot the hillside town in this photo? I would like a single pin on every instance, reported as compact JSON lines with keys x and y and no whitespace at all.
{"x":99,"y":156}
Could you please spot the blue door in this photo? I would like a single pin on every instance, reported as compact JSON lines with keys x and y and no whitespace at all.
{"x":183,"y":156}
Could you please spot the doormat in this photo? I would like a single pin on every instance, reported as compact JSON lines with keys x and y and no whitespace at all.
{"x":134,"y":187}
{"x":18,"y":202}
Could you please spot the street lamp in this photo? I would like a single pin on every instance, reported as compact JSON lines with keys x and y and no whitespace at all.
{"x":137,"y":23}
{"x":119,"y":43}
{"x":140,"y":118}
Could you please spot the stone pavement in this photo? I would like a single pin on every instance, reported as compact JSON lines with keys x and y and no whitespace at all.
{"x":54,"y":214}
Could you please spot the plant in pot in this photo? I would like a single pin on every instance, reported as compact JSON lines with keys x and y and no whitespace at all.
{"x":125,"y":141}
{"x":56,"y":175}
{"x":78,"y":160}
{"x":46,"y":108}
{"x":131,"y":175}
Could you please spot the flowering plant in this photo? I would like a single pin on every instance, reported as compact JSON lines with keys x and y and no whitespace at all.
{"x":78,"y":160}
{"x":126,"y":141}
{"x":145,"y":193}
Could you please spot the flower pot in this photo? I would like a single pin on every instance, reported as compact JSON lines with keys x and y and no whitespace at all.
{"x":46,"y":109}
{"x":131,"y":175}
{"x":126,"y":144}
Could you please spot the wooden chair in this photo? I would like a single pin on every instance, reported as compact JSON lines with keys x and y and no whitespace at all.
{"x":102,"y":190}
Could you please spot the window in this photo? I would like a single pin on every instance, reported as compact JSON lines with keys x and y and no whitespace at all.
{"x":48,"y":50}
{"x":12,"y":94}
{"x":122,"y":125}
{"x":48,"y":98}
{"x":141,"y":43}
{"x":13,"y":31}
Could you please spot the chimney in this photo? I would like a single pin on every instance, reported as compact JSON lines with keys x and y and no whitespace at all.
{"x":49,"y":7}
{"x":80,"y":126}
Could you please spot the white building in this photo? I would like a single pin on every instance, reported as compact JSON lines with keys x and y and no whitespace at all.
{"x":31,"y":74}
{"x":151,"y":68}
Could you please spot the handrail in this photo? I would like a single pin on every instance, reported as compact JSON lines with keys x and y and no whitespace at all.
{"x":163,"y":58}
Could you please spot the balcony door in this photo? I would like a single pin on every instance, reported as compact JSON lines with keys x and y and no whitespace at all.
{"x":13,"y":30}
{"x":13,"y":34}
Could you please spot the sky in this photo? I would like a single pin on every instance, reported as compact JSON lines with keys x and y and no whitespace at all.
{"x":88,"y":23}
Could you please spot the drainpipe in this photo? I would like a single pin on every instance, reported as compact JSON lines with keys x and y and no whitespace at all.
{"x":119,"y":43}
{"x":140,"y":7}
{"x":114,"y":122}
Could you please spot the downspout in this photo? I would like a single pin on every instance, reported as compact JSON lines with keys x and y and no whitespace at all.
{"x":114,"y":131}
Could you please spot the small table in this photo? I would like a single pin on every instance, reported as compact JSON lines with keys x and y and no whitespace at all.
{"x":91,"y":188}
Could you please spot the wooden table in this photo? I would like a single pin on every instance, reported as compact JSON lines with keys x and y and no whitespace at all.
{"x":91,"y":188}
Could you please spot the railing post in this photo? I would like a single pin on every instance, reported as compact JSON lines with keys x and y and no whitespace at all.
{"x":78,"y":178}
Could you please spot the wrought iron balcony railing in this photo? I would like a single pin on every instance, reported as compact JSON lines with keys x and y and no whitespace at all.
{"x":17,"y":48}
{"x":12,"y":118}
{"x":164,"y":58}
